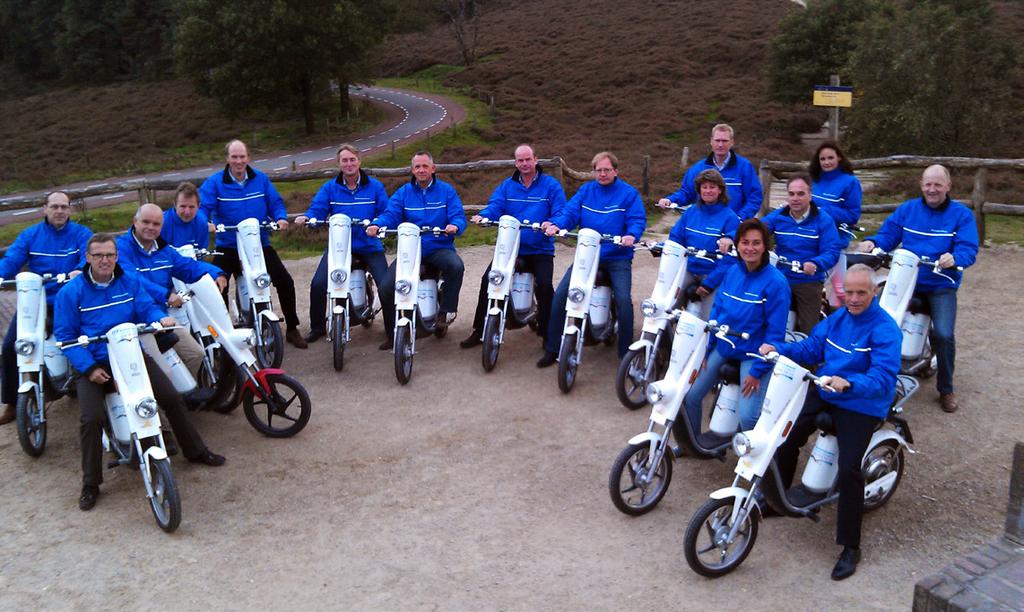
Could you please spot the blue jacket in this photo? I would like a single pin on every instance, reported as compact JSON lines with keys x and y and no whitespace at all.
{"x":47,"y":250}
{"x":539,"y":202}
{"x":224,"y":201}
{"x":700,"y":227}
{"x":366,"y":201}
{"x":436,"y":206}
{"x":864,"y":349}
{"x":83,"y":308}
{"x":753,"y":302}
{"x":178,"y":233}
{"x":741,"y":183}
{"x":839,"y":194}
{"x":815,"y":240}
{"x":155,"y":269}
{"x":930,"y":232}
{"x":616,"y":210}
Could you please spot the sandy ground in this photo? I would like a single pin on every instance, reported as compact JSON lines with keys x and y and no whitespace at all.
{"x":466,"y":490}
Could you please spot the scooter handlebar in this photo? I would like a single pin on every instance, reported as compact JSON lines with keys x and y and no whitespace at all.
{"x":220,"y":228}
{"x":723,"y":330}
{"x":60,"y":279}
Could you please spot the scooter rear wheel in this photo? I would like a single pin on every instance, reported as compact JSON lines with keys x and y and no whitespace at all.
{"x":568,"y":361}
{"x":270,"y":353}
{"x":880,"y":461}
{"x":31,"y":426}
{"x":165,"y":503}
{"x":403,"y":354}
{"x":287,"y":402}
{"x":338,"y":340}
{"x":492,"y":341}
{"x":630,"y":380}
{"x":704,"y":545}
{"x":227,"y":380}
{"x":636,"y":487}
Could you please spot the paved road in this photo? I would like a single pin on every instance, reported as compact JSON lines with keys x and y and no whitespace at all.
{"x":416,"y":114}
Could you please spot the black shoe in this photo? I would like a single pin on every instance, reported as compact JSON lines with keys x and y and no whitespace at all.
{"x":472,"y":340}
{"x":709,"y":440}
{"x":548,"y":359}
{"x":387,"y":345}
{"x":314,"y":335}
{"x":197,"y":397}
{"x":208,"y":458}
{"x":88,"y":498}
{"x":846,"y":566}
{"x":169,"y":444}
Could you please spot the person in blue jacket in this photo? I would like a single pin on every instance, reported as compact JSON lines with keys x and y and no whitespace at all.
{"x":610,"y":206}
{"x":745,"y":195}
{"x":238,"y":193}
{"x":943,"y":230}
{"x":184,"y":223}
{"x":142,"y":252}
{"x":426,"y":201}
{"x":806,"y":234}
{"x":528,"y":195}
{"x":753,"y":298}
{"x":838,"y":192}
{"x":56,"y":245}
{"x":708,"y":225}
{"x":93,"y":302}
{"x":360,"y":196}
{"x":859,"y":347}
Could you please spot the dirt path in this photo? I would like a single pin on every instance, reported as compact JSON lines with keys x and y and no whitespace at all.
{"x":472,"y":491}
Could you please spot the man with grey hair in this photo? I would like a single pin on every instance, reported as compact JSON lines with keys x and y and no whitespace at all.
{"x":859,"y":347}
{"x":741,"y":182}
{"x":943,"y":230}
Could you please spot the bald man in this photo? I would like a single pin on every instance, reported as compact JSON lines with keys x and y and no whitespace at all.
{"x":943,"y":230}
{"x":143,"y":253}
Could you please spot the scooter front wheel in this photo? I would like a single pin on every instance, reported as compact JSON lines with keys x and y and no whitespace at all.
{"x":631,"y":380}
{"x":30,"y":423}
{"x":403,"y":354}
{"x":270,"y":352}
{"x":568,"y":361}
{"x":707,"y":546}
{"x":635,"y":484}
{"x":283,"y":412}
{"x":338,"y":340}
{"x":165,"y":502}
{"x":492,"y":341}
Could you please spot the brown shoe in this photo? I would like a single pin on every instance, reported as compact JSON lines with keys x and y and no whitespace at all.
{"x":294,"y":338}
{"x":7,"y":416}
{"x":948,"y":402}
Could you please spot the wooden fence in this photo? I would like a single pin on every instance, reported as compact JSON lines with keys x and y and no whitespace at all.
{"x":979,"y":203}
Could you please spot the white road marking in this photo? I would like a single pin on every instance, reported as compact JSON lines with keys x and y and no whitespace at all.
{"x":23,"y":212}
{"x":281,"y":168}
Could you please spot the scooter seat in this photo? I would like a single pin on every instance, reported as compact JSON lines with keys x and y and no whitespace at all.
{"x":428,"y":271}
{"x":873,"y":261}
{"x":730,"y":372}
{"x":166,"y":340}
{"x":602,"y":279}
{"x":690,"y":292}
{"x":825,"y":423}
{"x":522,"y":265}
{"x":358,"y":262}
{"x":919,"y":305}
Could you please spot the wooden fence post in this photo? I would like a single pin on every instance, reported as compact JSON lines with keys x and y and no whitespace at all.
{"x":558,"y":172}
{"x":142,"y":197}
{"x":978,"y":200}
{"x":765,"y":176}
{"x":645,"y":187}
{"x":684,"y":161}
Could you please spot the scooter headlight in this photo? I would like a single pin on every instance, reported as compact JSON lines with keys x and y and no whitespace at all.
{"x":403,"y":287}
{"x":495,"y":277}
{"x":742,"y":445}
{"x":576,"y":295}
{"x":262,"y":280}
{"x":338,"y":276}
{"x":24,"y":347}
{"x":654,"y":393}
{"x":648,"y":308}
{"x":146,"y":408}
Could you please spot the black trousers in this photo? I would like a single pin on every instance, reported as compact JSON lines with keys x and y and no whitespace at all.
{"x":279,"y":276}
{"x":93,"y":412}
{"x":853,"y":433}
{"x":543,"y":268}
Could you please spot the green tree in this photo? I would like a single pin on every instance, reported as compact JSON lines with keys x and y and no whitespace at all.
{"x":814,"y":43}
{"x":931,"y":77}
{"x":272,"y":53}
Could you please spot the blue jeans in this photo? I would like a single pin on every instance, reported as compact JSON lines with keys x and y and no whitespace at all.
{"x":377,"y":266}
{"x":943,"y":306}
{"x":620,"y":274}
{"x":748,"y":407}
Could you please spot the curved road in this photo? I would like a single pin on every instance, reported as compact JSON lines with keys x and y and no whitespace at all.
{"x":414,"y":113}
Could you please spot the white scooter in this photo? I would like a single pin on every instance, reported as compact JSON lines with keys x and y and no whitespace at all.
{"x":642,"y":472}
{"x":132,"y":430}
{"x":509,"y":277}
{"x":349,"y":288}
{"x":252,"y":306}
{"x":648,"y":357}
{"x":723,"y":531}
{"x":589,"y":312}
{"x":267,"y":394}
{"x":43,"y":372}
